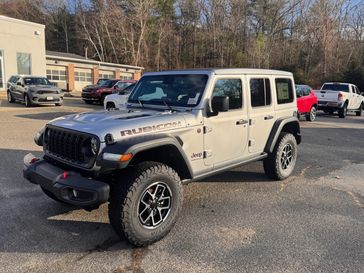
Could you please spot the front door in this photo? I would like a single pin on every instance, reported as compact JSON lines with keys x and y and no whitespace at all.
{"x":2,"y":78}
{"x":261,"y":112}
{"x":225,"y":135}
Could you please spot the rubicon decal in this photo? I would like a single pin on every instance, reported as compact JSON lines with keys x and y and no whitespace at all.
{"x":146,"y":129}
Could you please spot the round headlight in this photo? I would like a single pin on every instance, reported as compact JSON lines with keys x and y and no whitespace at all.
{"x":94,"y":145}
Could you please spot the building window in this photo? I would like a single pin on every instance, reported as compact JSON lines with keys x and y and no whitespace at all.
{"x":260,"y":92}
{"x":23,"y":61}
{"x":284,"y":89}
{"x":106,"y":75}
{"x":55,"y":74}
{"x":126,"y":76}
{"x":83,"y":76}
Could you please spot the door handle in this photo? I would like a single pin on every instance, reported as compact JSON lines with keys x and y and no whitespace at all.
{"x":268,"y":117}
{"x":241,"y":122}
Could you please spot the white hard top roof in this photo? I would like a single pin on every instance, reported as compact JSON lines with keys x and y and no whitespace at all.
{"x":223,"y":71}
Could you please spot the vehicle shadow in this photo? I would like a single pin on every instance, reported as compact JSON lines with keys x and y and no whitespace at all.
{"x":351,"y":118}
{"x":30,"y":222}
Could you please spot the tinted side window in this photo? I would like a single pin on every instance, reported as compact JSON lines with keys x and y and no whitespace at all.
{"x":284,"y":88}
{"x":260,"y":92}
{"x":231,"y":88}
{"x":306,"y":91}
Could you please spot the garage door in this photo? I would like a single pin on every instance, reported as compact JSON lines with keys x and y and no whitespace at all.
{"x":83,"y":77}
{"x":57,"y":75}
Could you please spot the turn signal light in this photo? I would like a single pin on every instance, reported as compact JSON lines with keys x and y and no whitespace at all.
{"x":33,"y":160}
{"x":126,"y":157}
{"x":340,"y":96}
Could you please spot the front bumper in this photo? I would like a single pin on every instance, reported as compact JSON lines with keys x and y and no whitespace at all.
{"x":90,"y":96}
{"x":67,"y":186}
{"x":46,"y":98}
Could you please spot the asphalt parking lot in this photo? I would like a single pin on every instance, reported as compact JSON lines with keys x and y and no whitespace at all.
{"x":238,"y":221}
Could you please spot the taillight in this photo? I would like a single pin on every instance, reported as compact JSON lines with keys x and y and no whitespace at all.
{"x":340,"y":96}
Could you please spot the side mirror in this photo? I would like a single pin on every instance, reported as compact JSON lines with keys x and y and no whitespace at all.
{"x":115,"y":86}
{"x":299,"y":95}
{"x":218,"y":104}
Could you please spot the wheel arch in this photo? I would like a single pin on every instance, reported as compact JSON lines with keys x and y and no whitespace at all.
{"x":165,"y":149}
{"x":289,"y":125}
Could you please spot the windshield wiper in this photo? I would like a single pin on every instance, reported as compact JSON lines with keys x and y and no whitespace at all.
{"x":169,"y":107}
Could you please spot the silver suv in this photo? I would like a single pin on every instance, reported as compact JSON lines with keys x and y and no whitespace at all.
{"x":179,"y":127}
{"x":33,"y":91}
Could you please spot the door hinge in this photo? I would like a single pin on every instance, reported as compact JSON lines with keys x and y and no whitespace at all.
{"x":207,"y":153}
{"x":207,"y":129}
{"x":251,"y":121}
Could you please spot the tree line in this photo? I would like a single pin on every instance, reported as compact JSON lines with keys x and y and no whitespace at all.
{"x":317,"y":40}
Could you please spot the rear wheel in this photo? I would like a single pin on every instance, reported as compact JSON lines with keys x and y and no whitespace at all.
{"x":359,"y":112}
{"x":10,"y":97}
{"x":145,"y":204}
{"x":311,"y":116}
{"x":110,"y":105}
{"x":343,"y":111}
{"x":281,"y":162}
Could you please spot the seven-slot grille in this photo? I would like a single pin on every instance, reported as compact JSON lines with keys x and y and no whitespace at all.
{"x":47,"y":92}
{"x":69,"y":146}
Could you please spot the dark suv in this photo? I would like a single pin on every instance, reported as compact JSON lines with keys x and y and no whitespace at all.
{"x":33,"y":91}
{"x":98,"y":93}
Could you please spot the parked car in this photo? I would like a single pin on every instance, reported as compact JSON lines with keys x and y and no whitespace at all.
{"x":99,"y":92}
{"x":99,"y":82}
{"x":341,"y":98}
{"x":118,"y":100}
{"x":179,"y":127}
{"x":33,"y":90}
{"x":306,"y":102}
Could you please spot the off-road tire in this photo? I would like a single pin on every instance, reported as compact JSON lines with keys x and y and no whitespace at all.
{"x":27,"y":101}
{"x":311,"y":116}
{"x":359,"y":112}
{"x":343,"y":111}
{"x":272,"y":164}
{"x":10,"y":97}
{"x":110,"y":105}
{"x":125,"y":197}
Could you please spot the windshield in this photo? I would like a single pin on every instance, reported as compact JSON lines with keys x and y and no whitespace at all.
{"x":176,"y":90}
{"x":36,"y":81}
{"x":109,"y":83}
{"x":336,"y":87}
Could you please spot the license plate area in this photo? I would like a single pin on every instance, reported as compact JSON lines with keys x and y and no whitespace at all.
{"x":49,"y":98}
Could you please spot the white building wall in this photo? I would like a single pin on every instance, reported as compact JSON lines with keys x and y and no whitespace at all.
{"x":17,"y":36}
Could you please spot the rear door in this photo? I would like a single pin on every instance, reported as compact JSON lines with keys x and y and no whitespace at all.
{"x":226,"y":135}
{"x":261,"y":112}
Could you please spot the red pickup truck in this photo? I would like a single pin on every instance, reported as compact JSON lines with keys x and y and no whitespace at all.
{"x":97,"y":93}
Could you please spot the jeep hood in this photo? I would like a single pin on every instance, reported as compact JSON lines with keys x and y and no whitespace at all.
{"x":101,"y":123}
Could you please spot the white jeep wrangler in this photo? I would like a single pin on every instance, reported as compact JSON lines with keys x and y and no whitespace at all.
{"x":179,"y":127}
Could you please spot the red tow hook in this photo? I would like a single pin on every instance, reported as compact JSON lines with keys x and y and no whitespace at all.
{"x":33,"y":160}
{"x":65,"y":175}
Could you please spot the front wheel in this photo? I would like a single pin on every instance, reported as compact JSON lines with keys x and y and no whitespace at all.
{"x":145,"y":204}
{"x":311,"y":116}
{"x":281,"y":162}
{"x":28,"y":102}
{"x":10,"y":97}
{"x":110,"y":105}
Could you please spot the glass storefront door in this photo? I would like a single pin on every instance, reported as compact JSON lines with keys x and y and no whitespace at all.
{"x":2,"y":80}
